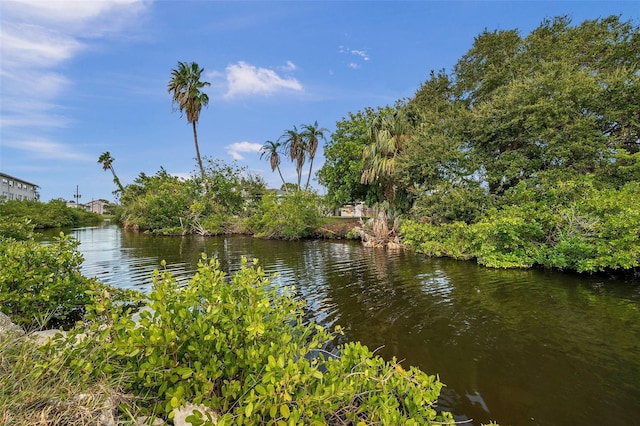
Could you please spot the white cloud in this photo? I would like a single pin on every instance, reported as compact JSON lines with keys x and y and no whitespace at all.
{"x":31,"y":45}
{"x":361,"y":54}
{"x":290,"y":66}
{"x":95,"y":16}
{"x":34,"y":119}
{"x":235,"y":149}
{"x":44,"y":148}
{"x":247,"y":79}
{"x":39,"y":36}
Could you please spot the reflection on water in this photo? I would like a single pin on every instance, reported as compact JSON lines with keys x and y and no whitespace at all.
{"x":518,"y":347}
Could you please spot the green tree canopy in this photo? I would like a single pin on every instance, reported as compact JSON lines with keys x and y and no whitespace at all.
{"x":561,"y":102}
{"x":344,"y":160}
{"x":484,"y":149}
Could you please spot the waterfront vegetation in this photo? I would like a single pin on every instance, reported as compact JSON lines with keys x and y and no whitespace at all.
{"x":236,"y":202}
{"x":52,"y":214}
{"x":238,"y":345}
{"x":526,"y":154}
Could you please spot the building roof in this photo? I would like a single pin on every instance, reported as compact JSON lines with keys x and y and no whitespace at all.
{"x":21,"y":180}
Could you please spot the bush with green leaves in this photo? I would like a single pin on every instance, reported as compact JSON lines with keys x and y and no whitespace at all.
{"x":601,"y":231}
{"x":447,"y":202}
{"x":290,"y":217}
{"x":14,"y":229}
{"x":507,"y":238}
{"x":53,"y":214}
{"x":41,"y":285}
{"x":158,"y":203}
{"x":572,"y":225}
{"x":168,"y":205}
{"x":447,"y":239}
{"x":241,"y":346}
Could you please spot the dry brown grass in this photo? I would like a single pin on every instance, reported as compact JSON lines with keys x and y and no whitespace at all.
{"x":32,"y":397}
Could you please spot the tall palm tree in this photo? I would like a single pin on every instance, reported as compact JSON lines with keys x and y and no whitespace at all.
{"x":311,"y":134}
{"x":187,"y":96}
{"x":388,"y":135}
{"x":295,"y":143}
{"x":271,"y":149}
{"x":107,"y":164}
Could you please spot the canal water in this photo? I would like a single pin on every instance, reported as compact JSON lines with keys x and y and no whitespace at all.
{"x":517,"y":347}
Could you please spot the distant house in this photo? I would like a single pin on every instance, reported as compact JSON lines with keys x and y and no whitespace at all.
{"x":12,"y":188}
{"x":354,"y":210}
{"x":94,"y":206}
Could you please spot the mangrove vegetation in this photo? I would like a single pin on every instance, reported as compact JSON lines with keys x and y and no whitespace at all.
{"x":527,"y":153}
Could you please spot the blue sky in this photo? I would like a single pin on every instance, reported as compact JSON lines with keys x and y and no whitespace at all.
{"x":81,"y":78}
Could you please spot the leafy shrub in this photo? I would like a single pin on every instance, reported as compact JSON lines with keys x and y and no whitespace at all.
{"x":14,"y":229}
{"x":242,"y":347}
{"x":53,"y":214}
{"x":452,"y":203}
{"x":291,"y":217}
{"x":39,"y":284}
{"x":507,"y":238}
{"x":447,"y":239}
{"x":233,"y":190}
{"x":158,"y":203}
{"x":570,"y":225}
{"x":600,"y":232}
{"x":167,"y":205}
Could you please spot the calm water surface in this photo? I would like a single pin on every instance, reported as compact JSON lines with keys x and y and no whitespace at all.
{"x":517,"y":347}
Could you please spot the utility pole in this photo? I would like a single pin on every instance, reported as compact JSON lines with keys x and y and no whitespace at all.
{"x":77,"y":197}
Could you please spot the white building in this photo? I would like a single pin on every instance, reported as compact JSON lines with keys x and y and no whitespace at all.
{"x":12,"y":188}
{"x":353,"y":210}
{"x":94,"y":206}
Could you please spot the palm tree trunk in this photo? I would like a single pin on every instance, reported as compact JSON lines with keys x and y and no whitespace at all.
{"x":116,"y":180}
{"x":299,"y":163}
{"x":284,"y":184}
{"x":195,"y":140}
{"x":309,"y":176}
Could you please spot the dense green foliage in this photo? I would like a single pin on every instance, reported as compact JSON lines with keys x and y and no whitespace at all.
{"x":235,"y":202}
{"x":53,"y":214}
{"x":167,"y":204}
{"x":243,"y":348}
{"x":344,"y":162}
{"x":526,"y":154}
{"x":39,"y":284}
{"x":571,"y":226}
{"x":291,"y":217}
